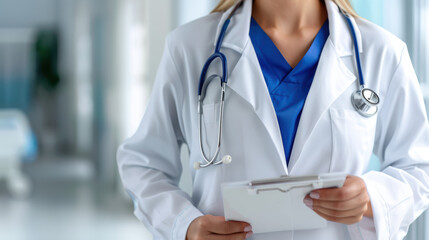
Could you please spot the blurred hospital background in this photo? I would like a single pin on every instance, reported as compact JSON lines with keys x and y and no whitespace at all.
{"x":75,"y":77}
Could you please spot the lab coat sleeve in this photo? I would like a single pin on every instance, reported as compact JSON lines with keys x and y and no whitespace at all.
{"x":399,"y":193}
{"x":149,"y":162}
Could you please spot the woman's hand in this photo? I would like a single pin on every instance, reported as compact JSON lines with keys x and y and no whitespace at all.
{"x":347,"y":204}
{"x":216,"y":228}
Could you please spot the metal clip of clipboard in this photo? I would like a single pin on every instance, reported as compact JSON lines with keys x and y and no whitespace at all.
{"x":315,"y":182}
{"x":257,"y":191}
{"x":284,"y":179}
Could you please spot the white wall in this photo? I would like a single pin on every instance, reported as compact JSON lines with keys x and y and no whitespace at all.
{"x":28,"y":13}
{"x":188,"y":10}
{"x":386,"y":13}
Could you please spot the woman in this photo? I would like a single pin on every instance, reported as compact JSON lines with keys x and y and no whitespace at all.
{"x":287,"y":111}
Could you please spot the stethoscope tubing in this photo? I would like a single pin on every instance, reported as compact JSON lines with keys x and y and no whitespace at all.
{"x":356,"y":49}
{"x":211,"y":161}
{"x":224,"y":77}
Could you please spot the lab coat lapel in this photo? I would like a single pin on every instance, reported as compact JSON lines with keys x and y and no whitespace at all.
{"x":246,"y":78}
{"x":332,"y":78}
{"x":248,"y":81}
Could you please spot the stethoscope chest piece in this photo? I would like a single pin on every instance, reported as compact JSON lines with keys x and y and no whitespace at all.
{"x":365,"y":102}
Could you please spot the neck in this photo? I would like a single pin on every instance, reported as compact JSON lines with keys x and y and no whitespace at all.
{"x":289,"y":15}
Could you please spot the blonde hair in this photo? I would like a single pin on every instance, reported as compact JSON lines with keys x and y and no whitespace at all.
{"x":345,"y":5}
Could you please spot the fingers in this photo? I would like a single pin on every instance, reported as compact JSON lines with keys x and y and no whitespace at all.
{"x":341,"y":214}
{"x":360,"y":200}
{"x":351,"y":188}
{"x":347,"y":204}
{"x":218,"y":225}
{"x":216,"y":228}
{"x":344,"y":220}
{"x":235,"y":236}
{"x":347,"y":212}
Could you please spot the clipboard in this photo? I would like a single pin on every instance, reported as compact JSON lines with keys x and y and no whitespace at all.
{"x":276,"y":204}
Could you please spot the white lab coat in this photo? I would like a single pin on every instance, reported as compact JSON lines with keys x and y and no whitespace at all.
{"x":331,"y":136}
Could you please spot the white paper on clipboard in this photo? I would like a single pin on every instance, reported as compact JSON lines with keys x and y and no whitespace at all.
{"x":271,"y":205}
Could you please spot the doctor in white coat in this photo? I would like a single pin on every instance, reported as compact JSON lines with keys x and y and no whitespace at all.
{"x":331,"y":136}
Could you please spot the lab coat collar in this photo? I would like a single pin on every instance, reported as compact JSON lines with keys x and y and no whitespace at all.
{"x":237,"y":34}
{"x":340,"y":33}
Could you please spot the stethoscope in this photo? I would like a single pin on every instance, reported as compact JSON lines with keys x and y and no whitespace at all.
{"x":364,"y":100}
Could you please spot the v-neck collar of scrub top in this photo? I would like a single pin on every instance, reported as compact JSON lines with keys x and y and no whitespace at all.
{"x":278,"y":65}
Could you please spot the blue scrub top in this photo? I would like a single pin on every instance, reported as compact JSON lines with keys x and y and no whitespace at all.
{"x":288,"y":86}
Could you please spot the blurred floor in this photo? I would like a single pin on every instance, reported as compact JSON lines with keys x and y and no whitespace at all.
{"x":66,"y":204}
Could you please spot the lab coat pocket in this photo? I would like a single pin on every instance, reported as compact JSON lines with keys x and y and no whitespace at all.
{"x":352,"y":140}
{"x":210,"y":126}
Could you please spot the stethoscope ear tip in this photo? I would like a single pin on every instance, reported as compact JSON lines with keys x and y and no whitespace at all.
{"x":196,"y":165}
